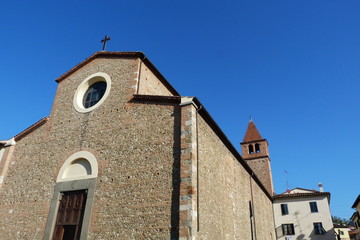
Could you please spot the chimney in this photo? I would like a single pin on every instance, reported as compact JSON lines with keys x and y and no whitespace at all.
{"x":321,"y":189}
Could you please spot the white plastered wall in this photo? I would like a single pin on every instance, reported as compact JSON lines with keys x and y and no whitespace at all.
{"x":301,"y":216}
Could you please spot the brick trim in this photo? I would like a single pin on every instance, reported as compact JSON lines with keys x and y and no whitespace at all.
{"x":257,"y":157}
{"x":188,"y":174}
{"x":254,"y":141}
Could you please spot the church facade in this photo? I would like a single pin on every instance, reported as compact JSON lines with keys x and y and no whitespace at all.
{"x":124,"y":156}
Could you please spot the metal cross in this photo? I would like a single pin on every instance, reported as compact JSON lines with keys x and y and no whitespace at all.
{"x":106,"y":38}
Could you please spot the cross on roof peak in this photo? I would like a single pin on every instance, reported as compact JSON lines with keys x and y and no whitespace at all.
{"x":106,"y":38}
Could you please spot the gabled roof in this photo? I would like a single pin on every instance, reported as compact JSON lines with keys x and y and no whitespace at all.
{"x":105,"y":54}
{"x":26,"y":132}
{"x":31,"y":129}
{"x":298,"y":188}
{"x":301,"y":195}
{"x":340,"y":226}
{"x":356,"y":202}
{"x":252,"y":134}
{"x":355,"y":216}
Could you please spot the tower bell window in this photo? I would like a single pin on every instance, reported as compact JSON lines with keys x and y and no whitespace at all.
{"x":251,"y":149}
{"x":257,"y":148}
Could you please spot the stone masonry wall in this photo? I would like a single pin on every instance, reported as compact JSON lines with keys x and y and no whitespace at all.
{"x":225,"y":189}
{"x":262,"y":168}
{"x":149,"y":84}
{"x":264,"y":217}
{"x":134,"y":145}
{"x":24,"y":196}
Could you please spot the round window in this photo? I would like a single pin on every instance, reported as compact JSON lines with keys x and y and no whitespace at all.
{"x":92,"y":92}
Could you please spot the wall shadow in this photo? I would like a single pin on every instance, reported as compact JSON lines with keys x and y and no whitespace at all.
{"x":175,"y":198}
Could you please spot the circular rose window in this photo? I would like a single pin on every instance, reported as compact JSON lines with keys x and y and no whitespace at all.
{"x":92,"y":92}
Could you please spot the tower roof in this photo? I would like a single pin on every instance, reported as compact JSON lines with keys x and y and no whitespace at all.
{"x":252,"y":134}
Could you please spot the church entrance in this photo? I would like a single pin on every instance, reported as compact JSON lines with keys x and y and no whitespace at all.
{"x":70,"y":215}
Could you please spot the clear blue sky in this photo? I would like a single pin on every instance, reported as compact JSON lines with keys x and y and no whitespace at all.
{"x":292,"y":65}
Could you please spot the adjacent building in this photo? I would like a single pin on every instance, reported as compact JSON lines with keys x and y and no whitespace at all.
{"x":356,"y":218}
{"x":303,"y":214}
{"x":123,"y":156}
{"x":342,"y":232}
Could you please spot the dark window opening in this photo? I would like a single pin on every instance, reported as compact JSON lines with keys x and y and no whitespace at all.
{"x":318,"y":228}
{"x":94,"y":93}
{"x":70,"y":215}
{"x":251,"y":220}
{"x":257,"y":148}
{"x":288,"y":229}
{"x":69,"y":231}
{"x":251,"y":149}
{"x":313,"y":207}
{"x":284,"y":209}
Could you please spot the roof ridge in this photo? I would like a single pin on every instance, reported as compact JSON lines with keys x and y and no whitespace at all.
{"x":285,"y":195}
{"x":96,"y":54}
{"x":139,"y":55}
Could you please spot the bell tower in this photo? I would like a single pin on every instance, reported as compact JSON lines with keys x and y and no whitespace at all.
{"x":255,"y":152}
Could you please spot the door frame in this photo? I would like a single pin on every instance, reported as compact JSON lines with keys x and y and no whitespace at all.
{"x":84,"y":184}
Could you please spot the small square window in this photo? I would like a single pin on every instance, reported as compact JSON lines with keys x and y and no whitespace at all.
{"x":288,"y":229}
{"x":313,"y":207}
{"x":284,"y":209}
{"x":318,"y":228}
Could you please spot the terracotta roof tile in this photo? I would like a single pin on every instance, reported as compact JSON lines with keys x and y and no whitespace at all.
{"x":304,"y":189}
{"x":295,"y":195}
{"x":252,"y":134}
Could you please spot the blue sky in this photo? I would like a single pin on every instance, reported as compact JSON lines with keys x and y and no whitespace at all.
{"x":292,"y":65}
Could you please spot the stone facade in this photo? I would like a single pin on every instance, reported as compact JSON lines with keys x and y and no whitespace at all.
{"x":165,"y":170}
{"x":356,"y":217}
{"x":225,"y":188}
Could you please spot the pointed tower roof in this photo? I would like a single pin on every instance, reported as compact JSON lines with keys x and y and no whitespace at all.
{"x":252,"y":134}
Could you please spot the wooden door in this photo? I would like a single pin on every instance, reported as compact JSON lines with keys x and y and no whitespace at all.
{"x":70,"y":215}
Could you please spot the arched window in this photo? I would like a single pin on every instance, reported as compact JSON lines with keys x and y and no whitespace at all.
{"x":257,"y":148}
{"x":251,"y":149}
{"x":81,"y":165}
